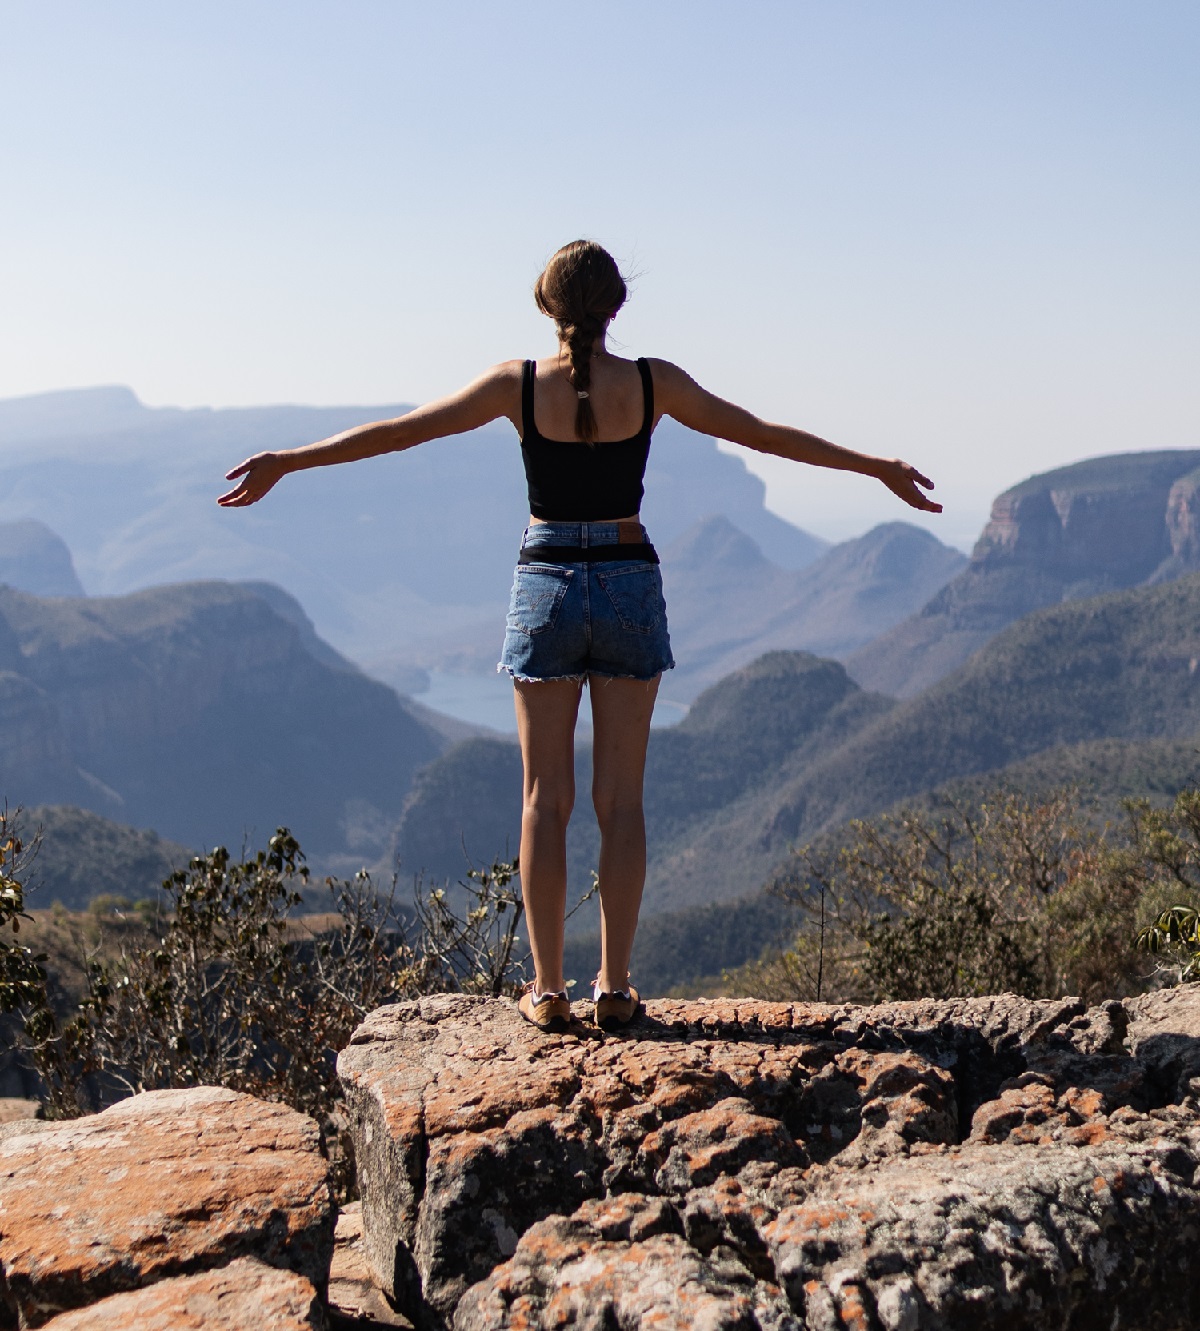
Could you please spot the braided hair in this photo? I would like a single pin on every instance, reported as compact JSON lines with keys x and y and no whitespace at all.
{"x":581,"y":288}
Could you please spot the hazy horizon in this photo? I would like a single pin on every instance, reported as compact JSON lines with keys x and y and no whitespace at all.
{"x":966,"y":236}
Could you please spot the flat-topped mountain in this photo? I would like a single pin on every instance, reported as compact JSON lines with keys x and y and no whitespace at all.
{"x":1098,"y":526}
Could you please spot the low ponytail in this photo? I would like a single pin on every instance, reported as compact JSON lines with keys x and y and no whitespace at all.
{"x":581,"y":288}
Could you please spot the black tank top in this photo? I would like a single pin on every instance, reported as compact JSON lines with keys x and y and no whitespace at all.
{"x":571,"y":481}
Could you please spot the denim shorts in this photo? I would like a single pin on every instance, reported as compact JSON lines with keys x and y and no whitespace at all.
{"x":568,"y":621}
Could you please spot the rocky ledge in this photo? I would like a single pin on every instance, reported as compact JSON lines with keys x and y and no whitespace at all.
{"x":987,"y":1163}
{"x":170,"y":1211}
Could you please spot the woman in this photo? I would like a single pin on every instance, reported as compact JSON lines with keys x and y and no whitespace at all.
{"x":587,"y":597}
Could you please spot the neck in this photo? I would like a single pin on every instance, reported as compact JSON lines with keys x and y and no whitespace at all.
{"x":598,"y":348}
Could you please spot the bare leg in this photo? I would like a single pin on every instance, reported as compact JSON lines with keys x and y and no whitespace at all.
{"x":621,"y":710}
{"x":546,"y":714}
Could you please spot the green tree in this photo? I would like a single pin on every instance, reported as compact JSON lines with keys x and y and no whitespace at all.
{"x":1168,"y":845}
{"x":938,"y":904}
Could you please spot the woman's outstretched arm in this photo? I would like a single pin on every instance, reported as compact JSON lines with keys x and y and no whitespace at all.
{"x":678,"y":395}
{"x":495,"y":393}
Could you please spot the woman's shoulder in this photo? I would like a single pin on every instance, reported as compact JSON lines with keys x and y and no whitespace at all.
{"x":669,"y":380}
{"x":505,"y":369}
{"x":667,"y":369}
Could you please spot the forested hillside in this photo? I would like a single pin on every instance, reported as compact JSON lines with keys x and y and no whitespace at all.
{"x":789,"y":747}
{"x":733,"y":744}
{"x":82,"y":857}
{"x":199,"y":711}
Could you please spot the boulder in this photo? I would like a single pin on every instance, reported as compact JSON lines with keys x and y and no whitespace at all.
{"x":981,"y":1163}
{"x":161,"y":1184}
{"x":244,"y":1294}
{"x":15,"y":1109}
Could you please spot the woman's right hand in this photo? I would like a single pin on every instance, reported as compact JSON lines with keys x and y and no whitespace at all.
{"x":258,"y":474}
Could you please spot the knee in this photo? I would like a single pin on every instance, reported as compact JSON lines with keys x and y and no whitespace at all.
{"x":615,"y":808}
{"x":546,"y":804}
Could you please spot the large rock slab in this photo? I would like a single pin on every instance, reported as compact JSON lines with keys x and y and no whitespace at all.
{"x":244,"y":1294}
{"x":161,"y":1184}
{"x":974,"y":1163}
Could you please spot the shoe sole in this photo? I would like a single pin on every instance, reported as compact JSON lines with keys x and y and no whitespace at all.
{"x":615,"y":1023}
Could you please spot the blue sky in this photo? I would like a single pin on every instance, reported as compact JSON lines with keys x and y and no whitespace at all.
{"x":964,"y":233}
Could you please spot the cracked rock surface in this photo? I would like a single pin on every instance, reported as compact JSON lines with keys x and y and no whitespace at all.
{"x":233,"y":1298}
{"x":978,"y":1163}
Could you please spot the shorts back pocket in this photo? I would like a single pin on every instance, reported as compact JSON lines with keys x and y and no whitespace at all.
{"x":636,"y":595}
{"x":537,"y":596}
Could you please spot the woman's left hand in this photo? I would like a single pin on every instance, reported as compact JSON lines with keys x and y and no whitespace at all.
{"x":258,"y":474}
{"x":903,"y":480}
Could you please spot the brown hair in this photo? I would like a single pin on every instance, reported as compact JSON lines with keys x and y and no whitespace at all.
{"x":581,"y":288}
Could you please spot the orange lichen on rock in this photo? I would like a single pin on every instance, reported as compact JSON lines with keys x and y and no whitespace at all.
{"x":753,"y":1165}
{"x":161,"y":1183}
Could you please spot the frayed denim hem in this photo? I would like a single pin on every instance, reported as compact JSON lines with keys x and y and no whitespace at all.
{"x":641,"y":679}
{"x":501,"y":668}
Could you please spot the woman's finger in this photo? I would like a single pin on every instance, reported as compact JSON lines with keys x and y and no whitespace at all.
{"x":239,"y":470}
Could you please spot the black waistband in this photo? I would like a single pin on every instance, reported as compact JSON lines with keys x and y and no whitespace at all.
{"x":640,"y":551}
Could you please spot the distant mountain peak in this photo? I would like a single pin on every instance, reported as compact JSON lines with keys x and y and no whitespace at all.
{"x":69,"y":411}
{"x":97,"y":395}
{"x":35,"y":559}
{"x":715,"y":540}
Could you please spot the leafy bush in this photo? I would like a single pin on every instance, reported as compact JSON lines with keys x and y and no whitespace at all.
{"x":917,"y":905}
{"x":1013,"y":894}
{"x":233,"y":990}
{"x":1169,"y":842}
{"x":22,"y":971}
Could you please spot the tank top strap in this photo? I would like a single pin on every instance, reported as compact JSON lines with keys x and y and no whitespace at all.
{"x":647,"y":394}
{"x":528,"y":375}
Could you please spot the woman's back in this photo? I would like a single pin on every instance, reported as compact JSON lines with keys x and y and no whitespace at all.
{"x":573,"y":481}
{"x":615,"y":393}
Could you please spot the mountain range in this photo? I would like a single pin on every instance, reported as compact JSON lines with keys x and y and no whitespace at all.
{"x":1101,"y":525}
{"x":1065,"y":649}
{"x":400,"y":561}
